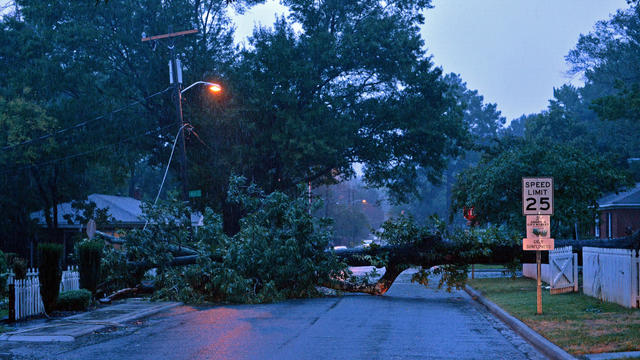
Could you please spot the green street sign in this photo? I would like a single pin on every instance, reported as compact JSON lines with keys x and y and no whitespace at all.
{"x":195,"y":193}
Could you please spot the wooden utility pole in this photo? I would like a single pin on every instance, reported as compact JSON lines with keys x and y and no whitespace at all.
{"x":175,"y":77}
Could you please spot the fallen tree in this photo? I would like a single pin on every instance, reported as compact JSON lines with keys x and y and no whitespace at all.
{"x":434,"y":250}
{"x":437,"y":251}
{"x":281,"y":252}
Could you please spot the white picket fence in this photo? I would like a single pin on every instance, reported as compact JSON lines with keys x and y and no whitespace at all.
{"x":611,"y":275}
{"x":27,"y":292}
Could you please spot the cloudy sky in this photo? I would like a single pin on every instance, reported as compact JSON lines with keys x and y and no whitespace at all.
{"x":511,"y":51}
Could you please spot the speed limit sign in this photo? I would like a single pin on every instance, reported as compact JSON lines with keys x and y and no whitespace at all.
{"x":537,"y":196}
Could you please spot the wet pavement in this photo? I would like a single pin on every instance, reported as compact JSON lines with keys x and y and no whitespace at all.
{"x":409,"y":322}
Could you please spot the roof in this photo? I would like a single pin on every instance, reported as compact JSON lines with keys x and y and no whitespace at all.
{"x":625,"y":199}
{"x":126,"y":211}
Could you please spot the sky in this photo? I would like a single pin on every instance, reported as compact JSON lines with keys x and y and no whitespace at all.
{"x":511,"y":51}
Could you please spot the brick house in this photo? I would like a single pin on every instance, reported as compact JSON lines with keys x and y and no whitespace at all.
{"x":618,"y":214}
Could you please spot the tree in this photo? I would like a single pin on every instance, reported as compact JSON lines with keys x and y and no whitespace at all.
{"x":608,"y":57}
{"x":484,"y":122}
{"x":355,"y":85}
{"x":77,"y":62}
{"x":494,"y":186}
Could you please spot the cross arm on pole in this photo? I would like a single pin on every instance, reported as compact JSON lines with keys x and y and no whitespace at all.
{"x":170,"y":35}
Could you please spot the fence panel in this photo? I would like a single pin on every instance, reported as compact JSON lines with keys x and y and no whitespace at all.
{"x":608,"y":274}
{"x":27,"y":300}
{"x":530,"y":271}
{"x":563,"y":270}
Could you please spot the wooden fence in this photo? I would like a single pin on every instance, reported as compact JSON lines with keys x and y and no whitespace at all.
{"x":611,"y":275}
{"x":530,"y":271}
{"x":561,"y":273}
{"x":25,"y":298}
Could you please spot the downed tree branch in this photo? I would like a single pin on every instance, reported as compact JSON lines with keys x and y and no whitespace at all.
{"x":378,"y":288}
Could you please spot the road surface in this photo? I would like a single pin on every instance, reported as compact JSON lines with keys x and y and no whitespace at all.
{"x":409,"y":322}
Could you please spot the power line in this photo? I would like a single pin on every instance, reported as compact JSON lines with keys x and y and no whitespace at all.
{"x":166,"y":171}
{"x":81,"y":124}
{"x":100,"y":148}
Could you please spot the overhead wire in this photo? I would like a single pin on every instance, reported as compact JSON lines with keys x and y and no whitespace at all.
{"x":49,"y":162}
{"x":83,"y":123}
{"x":164,"y":177}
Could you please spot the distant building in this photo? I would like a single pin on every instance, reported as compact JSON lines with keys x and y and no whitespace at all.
{"x":618,"y":214}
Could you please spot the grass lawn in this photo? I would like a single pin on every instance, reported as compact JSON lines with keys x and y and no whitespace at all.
{"x":579,"y":324}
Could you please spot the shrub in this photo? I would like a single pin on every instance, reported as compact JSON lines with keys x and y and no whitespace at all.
{"x":74,"y":300}
{"x":19,"y":267}
{"x":50,"y":274}
{"x":89,"y":255}
{"x":3,"y":272}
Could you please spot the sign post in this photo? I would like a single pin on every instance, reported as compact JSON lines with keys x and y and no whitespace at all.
{"x":537,"y":206}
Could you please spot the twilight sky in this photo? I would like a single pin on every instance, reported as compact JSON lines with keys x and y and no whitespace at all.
{"x":511,"y":51}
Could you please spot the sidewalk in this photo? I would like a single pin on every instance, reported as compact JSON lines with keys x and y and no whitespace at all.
{"x":72,"y":327}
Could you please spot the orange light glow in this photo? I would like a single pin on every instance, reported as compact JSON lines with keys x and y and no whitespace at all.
{"x":364,"y":201}
{"x":215,"y":88}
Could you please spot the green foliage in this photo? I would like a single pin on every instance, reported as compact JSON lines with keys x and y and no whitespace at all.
{"x":115,"y":273}
{"x":89,"y":254}
{"x":74,"y":300}
{"x":278,"y":253}
{"x":50,"y":273}
{"x":494,"y":186}
{"x":402,"y":231}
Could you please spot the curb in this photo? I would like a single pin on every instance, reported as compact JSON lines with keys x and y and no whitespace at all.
{"x":20,"y":336}
{"x":543,"y":345}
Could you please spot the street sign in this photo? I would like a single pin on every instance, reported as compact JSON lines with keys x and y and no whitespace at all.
{"x":537,"y":196}
{"x":195,"y":193}
{"x":538,"y":226}
{"x":537,"y":244}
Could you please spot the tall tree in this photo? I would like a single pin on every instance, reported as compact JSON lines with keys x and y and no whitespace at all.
{"x":79,"y":60}
{"x":494,"y":186}
{"x":354,"y":84}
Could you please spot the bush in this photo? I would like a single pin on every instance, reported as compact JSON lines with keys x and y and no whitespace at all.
{"x":74,"y":300}
{"x":50,"y":274}
{"x":89,"y":257}
{"x":19,"y":267}
{"x":3,"y":272}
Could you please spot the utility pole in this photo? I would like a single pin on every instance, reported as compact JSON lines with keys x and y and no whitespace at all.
{"x":175,"y":78}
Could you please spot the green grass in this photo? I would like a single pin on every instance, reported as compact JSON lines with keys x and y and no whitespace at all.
{"x":580,"y":324}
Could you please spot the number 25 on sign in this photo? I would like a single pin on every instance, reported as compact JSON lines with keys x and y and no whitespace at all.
{"x":537,"y":196}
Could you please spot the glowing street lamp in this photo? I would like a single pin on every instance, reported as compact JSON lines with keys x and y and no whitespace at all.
{"x":215,"y":88}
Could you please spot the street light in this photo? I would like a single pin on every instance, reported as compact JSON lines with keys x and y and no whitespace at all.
{"x":216,"y":88}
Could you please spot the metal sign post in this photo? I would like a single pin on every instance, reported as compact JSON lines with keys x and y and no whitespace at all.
{"x":537,"y":206}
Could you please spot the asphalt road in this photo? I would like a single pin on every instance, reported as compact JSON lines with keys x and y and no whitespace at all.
{"x":409,"y":322}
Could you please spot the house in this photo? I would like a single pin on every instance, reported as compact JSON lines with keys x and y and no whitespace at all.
{"x":618,"y":214}
{"x":124,"y":212}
